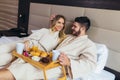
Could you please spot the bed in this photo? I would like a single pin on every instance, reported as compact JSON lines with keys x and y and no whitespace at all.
{"x":102,"y":55}
{"x":39,"y":12}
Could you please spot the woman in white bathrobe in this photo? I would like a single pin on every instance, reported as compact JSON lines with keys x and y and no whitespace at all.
{"x":48,"y":38}
{"x":78,"y":55}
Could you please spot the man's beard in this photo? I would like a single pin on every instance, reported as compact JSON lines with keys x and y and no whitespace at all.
{"x":76,"y":33}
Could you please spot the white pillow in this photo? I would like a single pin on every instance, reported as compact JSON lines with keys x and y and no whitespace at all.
{"x":102,"y":55}
{"x":5,"y":59}
{"x":34,"y":31}
{"x":4,"y":39}
{"x":6,"y":48}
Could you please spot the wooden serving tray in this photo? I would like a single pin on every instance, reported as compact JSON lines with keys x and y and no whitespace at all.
{"x":41,"y":65}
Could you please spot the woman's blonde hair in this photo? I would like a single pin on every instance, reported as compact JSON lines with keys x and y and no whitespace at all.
{"x":62,"y":34}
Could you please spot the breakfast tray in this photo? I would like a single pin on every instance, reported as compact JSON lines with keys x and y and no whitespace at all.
{"x":41,"y":65}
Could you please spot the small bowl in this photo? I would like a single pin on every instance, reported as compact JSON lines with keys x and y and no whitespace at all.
{"x":36,"y":58}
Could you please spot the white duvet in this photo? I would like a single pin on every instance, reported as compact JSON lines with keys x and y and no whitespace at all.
{"x":4,"y":39}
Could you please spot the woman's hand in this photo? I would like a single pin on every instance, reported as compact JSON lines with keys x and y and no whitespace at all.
{"x":64,"y":60}
{"x":52,"y":17}
{"x":27,"y":47}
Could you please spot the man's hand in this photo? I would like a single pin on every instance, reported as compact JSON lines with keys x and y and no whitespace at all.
{"x":64,"y":60}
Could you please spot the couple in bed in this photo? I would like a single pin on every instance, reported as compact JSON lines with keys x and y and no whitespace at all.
{"x":78,"y":52}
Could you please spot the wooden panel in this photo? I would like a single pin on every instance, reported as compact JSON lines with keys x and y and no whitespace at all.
{"x":8,"y":14}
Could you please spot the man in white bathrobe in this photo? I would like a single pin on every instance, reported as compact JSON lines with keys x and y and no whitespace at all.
{"x":78,"y":51}
{"x":78,"y":55}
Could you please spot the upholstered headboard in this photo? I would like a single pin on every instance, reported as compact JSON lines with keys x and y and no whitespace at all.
{"x":105,"y":25}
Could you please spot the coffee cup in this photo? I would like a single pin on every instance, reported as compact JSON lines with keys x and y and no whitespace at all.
{"x":19,"y":48}
{"x":55,"y":55}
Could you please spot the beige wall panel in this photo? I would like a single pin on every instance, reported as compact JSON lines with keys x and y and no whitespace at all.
{"x":40,"y":9}
{"x":33,"y":27}
{"x":108,"y":37}
{"x":69,"y":12}
{"x":39,"y":16}
{"x":113,"y":60}
{"x":107,"y":19}
{"x":39,"y":21}
{"x":68,"y":27}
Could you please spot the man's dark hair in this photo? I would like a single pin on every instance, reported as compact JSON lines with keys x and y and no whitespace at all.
{"x":84,"y":21}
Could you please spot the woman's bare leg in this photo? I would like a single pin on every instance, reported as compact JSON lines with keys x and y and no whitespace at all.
{"x":6,"y":75}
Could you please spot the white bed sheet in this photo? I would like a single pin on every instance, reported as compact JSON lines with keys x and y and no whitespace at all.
{"x":103,"y":75}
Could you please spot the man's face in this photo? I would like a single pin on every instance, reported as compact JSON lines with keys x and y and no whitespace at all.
{"x":76,"y":29}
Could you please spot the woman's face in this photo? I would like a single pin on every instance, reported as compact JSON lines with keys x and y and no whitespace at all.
{"x":59,"y":24}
